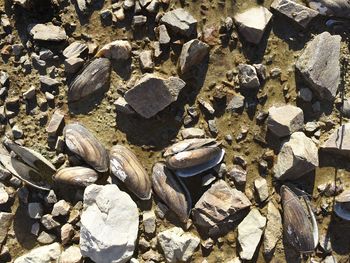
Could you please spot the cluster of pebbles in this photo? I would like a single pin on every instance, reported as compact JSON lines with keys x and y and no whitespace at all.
{"x":90,"y":203}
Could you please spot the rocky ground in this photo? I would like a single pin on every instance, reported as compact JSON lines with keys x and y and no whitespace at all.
{"x":174,"y":131}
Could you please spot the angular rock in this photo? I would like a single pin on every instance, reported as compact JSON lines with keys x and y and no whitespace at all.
{"x":46,"y":238}
{"x":72,"y":65}
{"x":250,"y":231}
{"x":61,"y":208}
{"x":252,"y":23}
{"x":5,"y":223}
{"x":191,"y":133}
{"x":302,"y":15}
{"x":193,"y":53}
{"x":75,"y":50}
{"x":48,"y":222}
{"x":163,"y":36}
{"x":30,"y":93}
{"x":151,"y":94}
{"x":339,"y":141}
{"x":149,"y":222}
{"x":43,"y":254}
{"x":248,"y":76}
{"x":262,"y":189}
{"x":337,"y":8}
{"x":177,"y":245}
{"x":239,"y":175}
{"x":319,"y":65}
{"x":273,"y":231}
{"x":4,"y":197}
{"x":71,"y":255}
{"x":179,"y":21}
{"x":55,"y":124}
{"x":236,"y":103}
{"x":122,"y":106}
{"x":118,"y":50}
{"x":67,"y":232}
{"x":297,"y":157}
{"x":282,"y":124}
{"x":218,"y":207}
{"x":146,"y":61}
{"x":43,"y":32}
{"x":109,"y":224}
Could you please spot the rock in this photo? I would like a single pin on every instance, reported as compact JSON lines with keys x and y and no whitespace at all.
{"x":179,"y":21}
{"x":43,"y":254}
{"x":151,"y":94}
{"x":72,"y":65}
{"x":4,"y":197}
{"x":345,"y":108}
{"x":5,"y":223}
{"x":67,"y":232}
{"x":339,"y":141}
{"x":330,"y":259}
{"x":139,"y":20}
{"x":319,"y":65}
{"x":43,"y":32}
{"x":337,"y":8}
{"x":282,"y":124}
{"x":146,"y":61}
{"x":35,"y":210}
{"x":213,"y":128}
{"x":75,"y":49}
{"x":252,"y":23}
{"x":30,"y":93}
{"x":248,"y":77}
{"x":305,"y":94}
{"x":82,"y":6}
{"x":71,"y":255}
{"x":48,"y":82}
{"x":297,"y":157}
{"x":261,"y":71}
{"x":35,"y":229}
{"x":206,"y":105}
{"x":262,"y":189}
{"x":48,"y":222}
{"x":177,"y":245}
{"x":109,"y":224}
{"x":122,"y":106}
{"x":163,"y":36}
{"x":302,"y":15}
{"x":191,"y":133}
{"x":56,"y":124}
{"x":149,"y":222}
{"x":17,"y":132}
{"x":236,"y":103}
{"x":250,"y":231}
{"x":193,"y":53}
{"x":218,"y":207}
{"x":61,"y":208}
{"x":118,"y":50}
{"x":273,"y":230}
{"x":239,"y":175}
{"x":46,"y":238}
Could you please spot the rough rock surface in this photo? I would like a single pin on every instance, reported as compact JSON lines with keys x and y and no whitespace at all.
{"x":42,"y":32}
{"x":319,"y":65}
{"x":71,"y":255}
{"x":250,"y":231}
{"x":177,"y":245}
{"x":5,"y":223}
{"x":118,"y":50}
{"x":273,"y":231}
{"x":193,"y":53}
{"x":248,"y":76}
{"x":151,"y":94}
{"x":43,"y":254}
{"x":282,"y":124}
{"x":297,"y":157}
{"x":297,"y":12}
{"x":218,"y":206}
{"x":180,"y":22}
{"x":261,"y":188}
{"x":338,"y":8}
{"x":109,"y":224}
{"x":339,"y":141}
{"x":253,"y":22}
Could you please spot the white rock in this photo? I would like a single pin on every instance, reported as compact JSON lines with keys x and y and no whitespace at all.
{"x":118,"y":50}
{"x":61,"y":208}
{"x":71,"y":255}
{"x":109,"y":224}
{"x":339,"y":141}
{"x":42,"y":32}
{"x":43,"y":254}
{"x":4,"y":197}
{"x":261,"y":188}
{"x":273,"y":231}
{"x":191,"y":133}
{"x":149,"y":221}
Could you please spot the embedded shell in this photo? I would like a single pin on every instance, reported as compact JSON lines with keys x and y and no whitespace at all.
{"x":78,"y":176}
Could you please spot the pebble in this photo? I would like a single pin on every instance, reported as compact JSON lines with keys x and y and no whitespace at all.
{"x":61,"y":208}
{"x":149,"y":222}
{"x":262,"y":189}
{"x":45,"y":238}
{"x":71,"y":255}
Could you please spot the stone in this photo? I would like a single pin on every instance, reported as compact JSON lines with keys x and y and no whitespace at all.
{"x":248,"y":77}
{"x":236,"y":103}
{"x":177,"y":245}
{"x":151,"y":94}
{"x":71,"y":255}
{"x":282,"y":124}
{"x":56,"y":123}
{"x":4,"y":197}
{"x":193,"y":53}
{"x":122,"y":106}
{"x":302,"y":15}
{"x":43,"y":254}
{"x":273,"y":230}
{"x":35,"y":229}
{"x":139,"y":20}
{"x":345,"y":108}
{"x":82,"y":6}
{"x":319,"y":65}
{"x":61,"y":208}
{"x":163,"y":36}
{"x":47,"y":32}
{"x":17,"y":132}
{"x":67,"y":232}
{"x":333,"y":8}
{"x":238,"y":175}
{"x":262,"y":189}
{"x":109,"y":224}
{"x":213,"y":128}
{"x":48,"y":82}
{"x":250,"y":231}
{"x":146,"y":61}
{"x":72,"y":65}
{"x":305,"y":94}
{"x":261,"y":71}
{"x":117,"y":50}
{"x":30,"y":93}
{"x":5,"y":223}
{"x":179,"y":21}
{"x":75,"y":50}
{"x":48,"y":222}
{"x":35,"y":210}
{"x":106,"y":16}
{"x":252,"y":23}
{"x":330,"y":259}
{"x":298,"y":156}
{"x":339,"y":141}
{"x":206,"y":105}
{"x":149,"y":222}
{"x":218,"y":207}
{"x":191,"y":133}
{"x":46,"y":238}
{"x":49,"y":96}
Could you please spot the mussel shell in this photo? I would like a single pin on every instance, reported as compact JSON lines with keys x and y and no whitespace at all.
{"x":299,"y":229}
{"x":78,"y":176}
{"x":171,"y":191}
{"x":187,"y":145}
{"x":128,"y":169}
{"x":342,"y":205}
{"x":83,"y":143}
{"x":94,"y":77}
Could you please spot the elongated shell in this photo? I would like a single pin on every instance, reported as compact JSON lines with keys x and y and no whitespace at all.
{"x":187,"y":145}
{"x":83,"y":143}
{"x":298,"y":223}
{"x":75,"y":49}
{"x":128,"y":169}
{"x":93,"y":78}
{"x":78,"y":176}
{"x":171,"y":191}
{"x":342,"y":205}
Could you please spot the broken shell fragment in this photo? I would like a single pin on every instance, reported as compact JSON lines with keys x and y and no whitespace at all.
{"x":75,"y":49}
{"x":171,"y":191}
{"x":95,"y":77}
{"x":83,"y":143}
{"x":342,"y":205}
{"x":128,"y":169}
{"x":78,"y":176}
{"x":299,"y":223}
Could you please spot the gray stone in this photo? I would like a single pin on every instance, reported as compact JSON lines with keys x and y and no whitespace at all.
{"x":250,"y":231}
{"x":146,"y":61}
{"x":43,"y":254}
{"x":48,"y":222}
{"x":118,"y":50}
{"x":177,"y":245}
{"x":5,"y":223}
{"x":82,"y":6}
{"x":206,"y":105}
{"x":122,"y":106}
{"x":35,"y":210}
{"x":35,"y":229}
{"x":261,"y":71}
{"x":151,"y":94}
{"x":75,"y":50}
{"x":71,"y":255}
{"x":46,"y":238}
{"x":180,"y":22}
{"x":252,"y":23}
{"x":48,"y":82}
{"x":193,"y":53}
{"x":17,"y":132}
{"x":56,"y":123}
{"x":345,"y":108}
{"x":109,"y":224}
{"x":282,"y":124}
{"x":4,"y":197}
{"x":43,"y":32}
{"x":213,"y":128}
{"x":238,"y":175}
{"x":261,"y":188}
{"x":330,"y":259}
{"x":61,"y":208}
{"x":149,"y":222}
{"x":337,"y":8}
{"x":163,"y":36}
{"x":67,"y":232}
{"x":190,"y":133}
{"x":248,"y":77}
{"x":72,"y":65}
{"x":302,"y":15}
{"x":319,"y":65}
{"x":236,"y":103}
{"x":339,"y":141}
{"x":30,"y":93}
{"x":139,"y":20}
{"x":297,"y":157}
{"x":273,"y":231}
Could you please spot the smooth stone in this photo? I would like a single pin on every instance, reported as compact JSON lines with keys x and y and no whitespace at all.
{"x":71,"y":255}
{"x":43,"y":32}
{"x":118,"y":50}
{"x":191,"y":133}
{"x":43,"y":254}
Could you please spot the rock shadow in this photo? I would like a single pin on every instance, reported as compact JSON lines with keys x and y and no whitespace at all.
{"x":336,"y":229}
{"x":22,"y":224}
